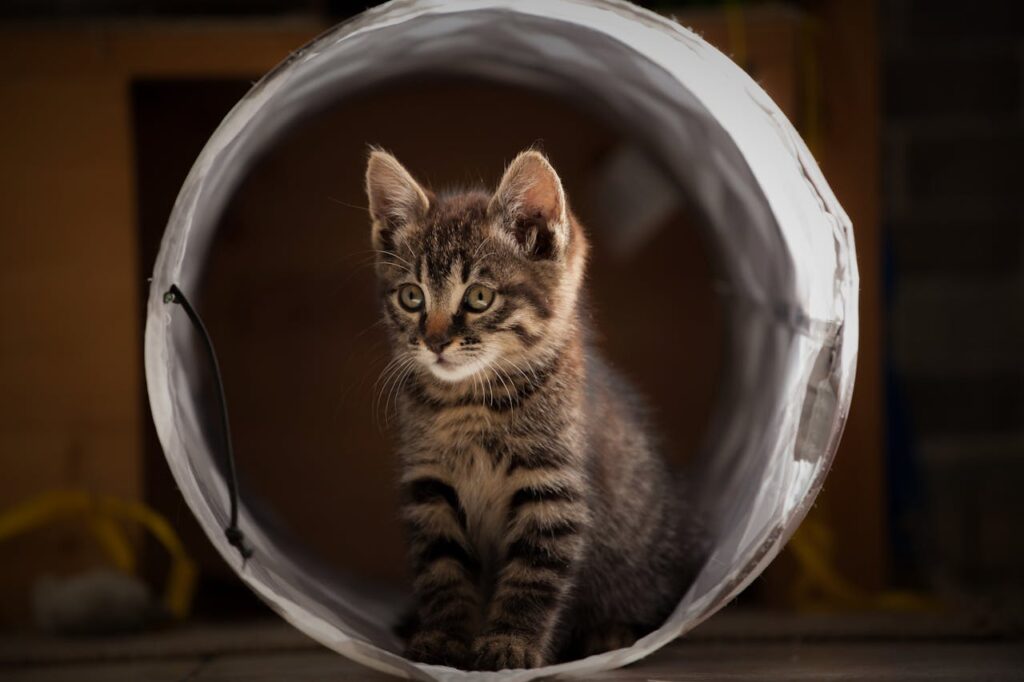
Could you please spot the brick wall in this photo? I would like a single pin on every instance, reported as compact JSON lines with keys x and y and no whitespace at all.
{"x":953,"y":184}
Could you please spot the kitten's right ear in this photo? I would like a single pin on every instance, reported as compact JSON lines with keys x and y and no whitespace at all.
{"x":531,"y":204}
{"x":396,"y":199}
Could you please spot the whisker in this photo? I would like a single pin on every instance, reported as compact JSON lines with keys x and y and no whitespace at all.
{"x":380,"y":321}
{"x":385,"y":373}
{"x":498,"y":373}
{"x":386,"y":389}
{"x":391,"y":362}
{"x":396,"y":388}
{"x":480,"y":246}
{"x":399,"y":266}
{"x":479,"y":379}
{"x":490,"y":387}
{"x":347,"y":205}
{"x":393,"y":255}
{"x":355,"y":271}
{"x":511,"y":399}
{"x":518,"y":369}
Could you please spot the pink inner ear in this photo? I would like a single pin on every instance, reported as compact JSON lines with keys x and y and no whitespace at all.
{"x":532,"y":188}
{"x":542,"y":196}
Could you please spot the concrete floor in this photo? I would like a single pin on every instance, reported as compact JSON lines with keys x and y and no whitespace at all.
{"x":734,"y":646}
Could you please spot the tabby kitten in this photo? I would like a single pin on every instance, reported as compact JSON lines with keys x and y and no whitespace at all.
{"x":543,"y":525}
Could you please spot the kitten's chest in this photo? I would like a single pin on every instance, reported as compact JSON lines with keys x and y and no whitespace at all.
{"x":482,"y":486}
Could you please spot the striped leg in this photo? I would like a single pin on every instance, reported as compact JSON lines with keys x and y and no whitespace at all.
{"x":446,"y":572}
{"x":544,"y":542}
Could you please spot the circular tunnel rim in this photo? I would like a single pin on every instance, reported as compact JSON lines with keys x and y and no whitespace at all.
{"x":222,"y":154}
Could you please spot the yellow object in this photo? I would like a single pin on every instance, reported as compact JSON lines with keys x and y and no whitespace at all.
{"x":103,"y":516}
{"x":819,"y":586}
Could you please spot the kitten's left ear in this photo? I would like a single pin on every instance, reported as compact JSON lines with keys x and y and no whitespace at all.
{"x":396,"y":199}
{"x":531,"y":203}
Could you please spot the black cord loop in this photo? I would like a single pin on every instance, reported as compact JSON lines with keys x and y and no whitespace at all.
{"x":233,"y":533}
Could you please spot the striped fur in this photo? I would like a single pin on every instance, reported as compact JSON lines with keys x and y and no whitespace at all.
{"x":542,"y":524}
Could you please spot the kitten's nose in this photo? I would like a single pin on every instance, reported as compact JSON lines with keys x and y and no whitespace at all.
{"x":437,"y":343}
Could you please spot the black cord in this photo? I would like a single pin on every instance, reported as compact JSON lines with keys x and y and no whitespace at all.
{"x":233,"y":533}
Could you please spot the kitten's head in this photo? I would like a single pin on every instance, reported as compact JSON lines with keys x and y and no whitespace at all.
{"x":475,"y":282}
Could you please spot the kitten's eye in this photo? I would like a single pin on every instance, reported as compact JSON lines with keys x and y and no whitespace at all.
{"x":478,"y":298}
{"x":410,"y":297}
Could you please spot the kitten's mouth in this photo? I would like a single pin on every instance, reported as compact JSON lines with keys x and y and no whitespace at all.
{"x":447,"y":364}
{"x":449,"y":370}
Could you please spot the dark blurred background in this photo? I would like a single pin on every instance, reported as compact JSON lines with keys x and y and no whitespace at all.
{"x":913,"y":108}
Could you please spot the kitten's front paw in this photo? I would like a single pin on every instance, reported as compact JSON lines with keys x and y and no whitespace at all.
{"x":438,"y":648}
{"x":504,"y":651}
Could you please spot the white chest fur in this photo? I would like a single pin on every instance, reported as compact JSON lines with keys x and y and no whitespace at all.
{"x":483,"y":491}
